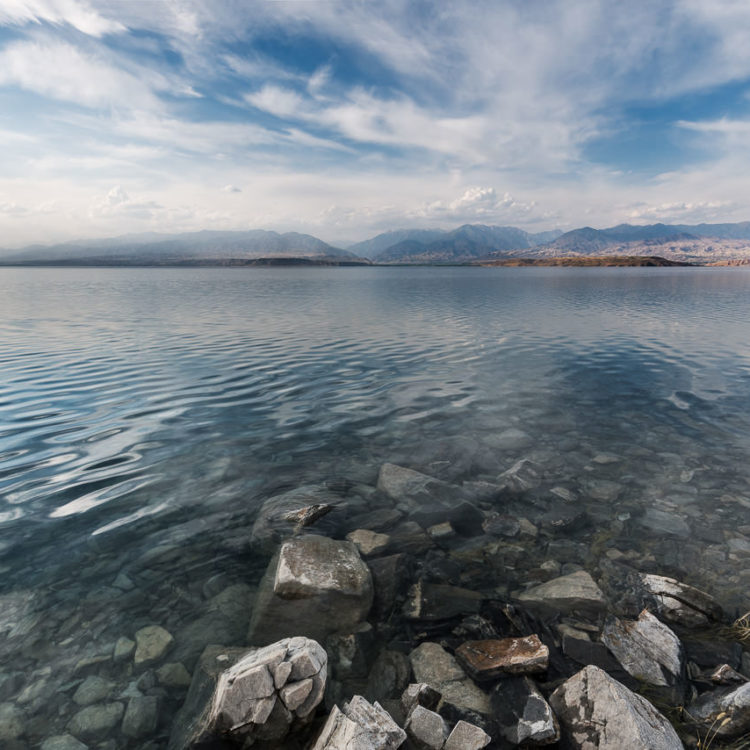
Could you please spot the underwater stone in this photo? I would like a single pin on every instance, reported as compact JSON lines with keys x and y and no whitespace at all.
{"x":576,"y":592}
{"x":368,"y":542}
{"x":11,"y":721}
{"x":152,"y":643}
{"x":96,"y":722}
{"x":141,"y":716}
{"x":93,"y":690}
{"x":62,"y":742}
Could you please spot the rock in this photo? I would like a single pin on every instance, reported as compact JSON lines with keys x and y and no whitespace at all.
{"x":62,"y":742}
{"x":411,"y":538}
{"x":724,"y":712}
{"x":661,"y":522}
{"x":314,"y":586}
{"x":349,"y":654}
{"x":435,"y":601}
{"x":96,"y":722}
{"x":489,"y":659}
{"x":11,"y":722}
{"x":419,"y":694}
{"x":173,"y":675}
{"x":523,"y":476}
{"x":464,"y":517}
{"x":93,"y":689}
{"x":433,"y":665}
{"x":511,"y":440}
{"x":679,"y":602}
{"x":502,"y":525}
{"x":368,"y":543}
{"x":426,"y":729}
{"x":282,"y":515}
{"x":576,"y":592}
{"x":412,"y":489}
{"x":725,"y":675}
{"x":380,"y":520}
{"x":467,"y":736}
{"x":243,"y":696}
{"x":123,"y":650}
{"x":390,"y":579}
{"x":647,"y":649}
{"x":141,"y":716}
{"x":388,"y":677}
{"x":523,"y":716}
{"x":152,"y":643}
{"x":359,"y":725}
{"x":596,"y":711}
{"x":441,"y":531}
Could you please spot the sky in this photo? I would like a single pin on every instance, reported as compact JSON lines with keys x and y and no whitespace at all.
{"x":345,"y":119}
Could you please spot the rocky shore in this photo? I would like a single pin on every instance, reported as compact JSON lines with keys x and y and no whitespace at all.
{"x":415,"y":613}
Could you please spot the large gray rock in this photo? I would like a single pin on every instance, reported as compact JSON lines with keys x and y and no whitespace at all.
{"x":261,"y":694}
{"x":278,"y":518}
{"x":522,"y":714}
{"x":360,"y":725}
{"x":467,"y":736}
{"x":647,"y":649}
{"x":724,"y":712}
{"x":314,"y":586}
{"x":96,"y":722}
{"x":680,"y":603}
{"x":426,"y":729}
{"x":152,"y":644}
{"x":523,"y":476}
{"x":412,"y":489}
{"x":141,"y":716}
{"x":573,"y":593}
{"x":597,"y":712}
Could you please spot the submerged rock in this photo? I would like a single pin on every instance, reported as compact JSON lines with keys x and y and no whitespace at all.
{"x":246,"y":696}
{"x":576,"y":592}
{"x":96,"y":722}
{"x":360,"y":725}
{"x":314,"y":586}
{"x":523,"y":716}
{"x":596,"y":711}
{"x":152,"y":643}
{"x":412,"y":489}
{"x":523,"y":476}
{"x":435,"y":601}
{"x":490,"y":659}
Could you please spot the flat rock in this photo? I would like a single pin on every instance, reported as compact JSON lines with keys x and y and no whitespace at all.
{"x":490,"y":659}
{"x":96,"y":722}
{"x":141,"y":716}
{"x":523,"y":476}
{"x":426,"y":729}
{"x":412,"y":489}
{"x":575,"y":592}
{"x":436,"y":601}
{"x":467,"y":736}
{"x":662,"y":522}
{"x":724,"y":712}
{"x":368,"y":542}
{"x":313,"y":586}
{"x":152,"y":644}
{"x":646,"y":648}
{"x":359,"y":725}
{"x":680,"y":603}
{"x":596,"y":711}
{"x":523,"y":716}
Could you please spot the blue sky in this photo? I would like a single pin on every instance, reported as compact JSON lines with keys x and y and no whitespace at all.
{"x":344,"y":119}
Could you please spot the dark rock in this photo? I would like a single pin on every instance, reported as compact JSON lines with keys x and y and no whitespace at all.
{"x":490,"y":659}
{"x":475,"y":628}
{"x":349,"y":654}
{"x":388,"y":677}
{"x":380,"y":520}
{"x":434,"y":601}
{"x":522,"y":714}
{"x":390,"y":577}
{"x":725,"y":675}
{"x":502,"y":525}
{"x":411,"y":538}
{"x":419,"y":694}
{"x":597,"y":654}
{"x":709,"y":654}
{"x":141,"y":717}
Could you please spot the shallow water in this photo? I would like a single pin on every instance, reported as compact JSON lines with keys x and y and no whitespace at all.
{"x":146,"y":413}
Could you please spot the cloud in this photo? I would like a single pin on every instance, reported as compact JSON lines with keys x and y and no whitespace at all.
{"x":231,"y":189}
{"x":80,"y":15}
{"x":117,"y":202}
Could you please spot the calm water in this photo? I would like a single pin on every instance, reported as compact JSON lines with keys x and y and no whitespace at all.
{"x":146,"y":413}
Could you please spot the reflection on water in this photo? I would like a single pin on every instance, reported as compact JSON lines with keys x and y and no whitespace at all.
{"x":146,"y":413}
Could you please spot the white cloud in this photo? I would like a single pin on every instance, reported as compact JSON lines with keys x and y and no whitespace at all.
{"x":76,"y":13}
{"x":231,"y":189}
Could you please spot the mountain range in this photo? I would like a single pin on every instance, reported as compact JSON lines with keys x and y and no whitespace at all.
{"x":701,"y":243}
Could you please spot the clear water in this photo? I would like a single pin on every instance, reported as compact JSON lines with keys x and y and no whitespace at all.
{"x":146,"y":413}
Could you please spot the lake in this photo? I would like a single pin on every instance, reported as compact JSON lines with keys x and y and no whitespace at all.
{"x":146,"y":414}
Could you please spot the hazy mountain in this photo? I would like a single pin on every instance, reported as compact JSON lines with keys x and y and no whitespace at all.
{"x":205,"y":246}
{"x":373,"y":247}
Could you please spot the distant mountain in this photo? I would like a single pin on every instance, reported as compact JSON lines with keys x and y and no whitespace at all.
{"x":198,"y":247}
{"x":376,"y":245}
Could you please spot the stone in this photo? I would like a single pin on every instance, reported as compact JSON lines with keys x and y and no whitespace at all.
{"x":152,"y":644}
{"x":313,"y":586}
{"x":388,"y":677}
{"x":522,"y":714}
{"x":123,"y":650}
{"x":96,"y":722}
{"x":596,"y":711}
{"x":411,"y":538}
{"x":523,"y":476}
{"x":724,"y":712}
{"x":141,"y":716}
{"x":511,"y":439}
{"x":441,"y":531}
{"x":490,"y":659}
{"x":281,"y":515}
{"x":467,"y":736}
{"x":662,"y":522}
{"x":62,"y":742}
{"x":433,"y":665}
{"x":411,"y":488}
{"x":573,"y":593}
{"x":426,"y":729}
{"x":359,"y":725}
{"x":725,"y":675}
{"x":369,"y":543}
{"x":419,"y":694}
{"x":11,"y":722}
{"x":502,"y":525}
{"x":646,"y":648}
{"x":390,"y":579}
{"x":93,"y":689}
{"x":680,"y":603}
{"x":234,"y":694}
{"x":173,"y":675}
{"x":435,"y":601}
{"x":349,"y":654}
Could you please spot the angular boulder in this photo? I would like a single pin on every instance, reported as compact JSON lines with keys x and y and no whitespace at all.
{"x":523,"y":476}
{"x":359,"y":725}
{"x":314,"y":586}
{"x":490,"y":659}
{"x":647,"y":649}
{"x":467,"y":736}
{"x":724,"y":712}
{"x":412,"y":489}
{"x":680,"y":603}
{"x":244,"y":696}
{"x":522,"y":714}
{"x":573,"y":593}
{"x":426,"y":729}
{"x":596,"y":711}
